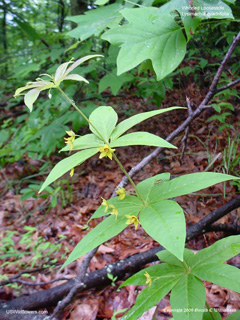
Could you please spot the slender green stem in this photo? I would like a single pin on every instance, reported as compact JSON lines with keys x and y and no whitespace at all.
{"x":114,"y":156}
{"x":211,"y":313}
{"x":82,"y":114}
{"x":129,"y":178}
{"x":185,"y":266}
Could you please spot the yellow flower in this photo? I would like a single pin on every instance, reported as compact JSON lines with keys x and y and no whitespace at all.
{"x":71,"y":172}
{"x":132,"y":219}
{"x":105,"y":151}
{"x":121,"y":193}
{"x":148,"y":278}
{"x":114,"y":210}
{"x":105,"y":204}
{"x":70,"y":139}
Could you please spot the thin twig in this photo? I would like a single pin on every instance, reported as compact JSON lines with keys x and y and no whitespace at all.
{"x":34,"y":284}
{"x":79,"y":284}
{"x":185,"y":138}
{"x":229,"y":85}
{"x":18,"y":275}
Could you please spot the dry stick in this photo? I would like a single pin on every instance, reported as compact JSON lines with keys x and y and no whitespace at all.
{"x":96,"y":279}
{"x":58,"y":311}
{"x":18,"y":275}
{"x":229,"y":85}
{"x":146,"y":160}
{"x":34,"y":284}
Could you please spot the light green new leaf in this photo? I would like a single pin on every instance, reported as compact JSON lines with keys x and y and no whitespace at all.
{"x":93,"y":22}
{"x":85,"y":142}
{"x":187,"y":184}
{"x":130,"y":205}
{"x":104,"y":231}
{"x":158,"y":271}
{"x":164,"y":221}
{"x":141,"y":139}
{"x":31,"y":97}
{"x":150,"y":296}
{"x":148,"y":35}
{"x":145,"y":187}
{"x":113,"y":81}
{"x":189,"y":293}
{"x":221,"y":274}
{"x":132,"y":121}
{"x":66,"y":165}
{"x":104,"y":120}
{"x":220,"y":251}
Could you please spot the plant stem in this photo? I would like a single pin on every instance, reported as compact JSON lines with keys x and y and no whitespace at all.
{"x":212,"y":315}
{"x":129,"y":178}
{"x":185,"y":266}
{"x":82,"y":114}
{"x":106,"y":142}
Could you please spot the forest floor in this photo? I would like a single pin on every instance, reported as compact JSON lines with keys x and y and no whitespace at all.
{"x":81,"y":195}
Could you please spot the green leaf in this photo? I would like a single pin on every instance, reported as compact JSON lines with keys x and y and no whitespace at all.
{"x":113,"y":81}
{"x":132,"y":121}
{"x":158,"y":271}
{"x":187,"y":184}
{"x":104,"y":120}
{"x":219,"y":273}
{"x":93,"y":22}
{"x":101,"y":2}
{"x":212,"y":315}
{"x":188,"y":298}
{"x":66,"y":165}
{"x":207,"y":10}
{"x":141,"y":139}
{"x":234,"y":316}
{"x":145,"y":187}
{"x":104,"y":231}
{"x":164,"y":221}
{"x":130,"y":205}
{"x":150,"y":296}
{"x":169,"y":258}
{"x":214,"y":9}
{"x":85,"y":142}
{"x":220,"y":251}
{"x":148,"y":35}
